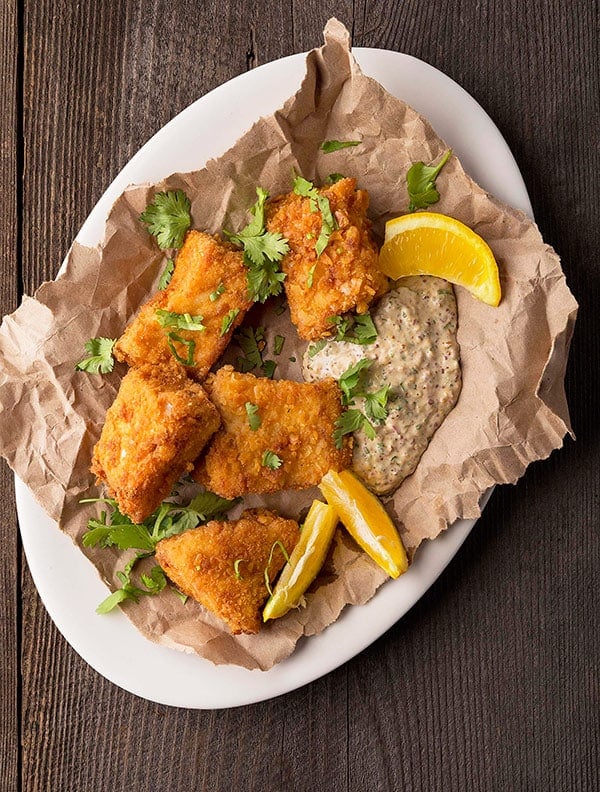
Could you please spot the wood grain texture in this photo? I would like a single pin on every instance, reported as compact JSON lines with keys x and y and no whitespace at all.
{"x":491,"y":681}
{"x":9,"y":278}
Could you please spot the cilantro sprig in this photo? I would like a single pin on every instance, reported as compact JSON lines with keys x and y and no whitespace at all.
{"x":375,"y":404}
{"x":318,"y":202}
{"x":355,"y":328}
{"x":115,"y":529}
{"x":171,"y":322}
{"x":100,"y":359}
{"x":168,"y":218}
{"x":420,"y":180}
{"x":263,"y":250}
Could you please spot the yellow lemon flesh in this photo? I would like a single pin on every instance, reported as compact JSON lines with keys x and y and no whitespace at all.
{"x":426,"y":243}
{"x":305,"y":561}
{"x":366,"y":520}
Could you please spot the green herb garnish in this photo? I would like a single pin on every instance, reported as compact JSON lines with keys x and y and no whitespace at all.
{"x":278,"y":343}
{"x":236,"y":568}
{"x":254,"y":420}
{"x":166,"y":274}
{"x":263,"y":250}
{"x":334,"y":178}
{"x":276,"y":543}
{"x":315,"y":348}
{"x":271,"y":460}
{"x":420,"y":180}
{"x":318,"y":202}
{"x":355,"y":328}
{"x":351,"y":421}
{"x":269,"y":367}
{"x":100,"y":358}
{"x":228,"y":320}
{"x":311,"y":275}
{"x":335,"y":145}
{"x":115,"y":529}
{"x":376,"y":408}
{"x":179,"y":321}
{"x":251,"y":341}
{"x":189,"y":345}
{"x":349,"y":381}
{"x":168,"y":218}
{"x":217,"y":292}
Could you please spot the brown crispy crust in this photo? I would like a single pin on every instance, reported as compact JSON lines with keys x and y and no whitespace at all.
{"x":202,"y":564}
{"x":203,"y":264}
{"x":297,"y":424}
{"x":345,"y":276}
{"x":155,"y":428}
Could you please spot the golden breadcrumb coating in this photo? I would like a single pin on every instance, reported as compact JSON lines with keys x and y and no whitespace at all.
{"x":297,"y":421}
{"x":154,"y":430}
{"x":222,"y":564}
{"x":345,"y":276}
{"x":204,"y":266}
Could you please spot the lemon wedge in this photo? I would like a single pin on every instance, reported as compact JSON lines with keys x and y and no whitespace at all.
{"x":366,"y":520}
{"x":426,"y":243}
{"x":305,"y":561}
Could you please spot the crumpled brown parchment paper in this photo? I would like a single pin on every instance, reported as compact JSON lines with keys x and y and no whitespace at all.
{"x":512,"y":409}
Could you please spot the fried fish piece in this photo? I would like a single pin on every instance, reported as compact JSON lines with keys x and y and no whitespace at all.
{"x":209,"y":284}
{"x":154,"y":430}
{"x":222,"y":564}
{"x":293,"y":420}
{"x":345,"y":277}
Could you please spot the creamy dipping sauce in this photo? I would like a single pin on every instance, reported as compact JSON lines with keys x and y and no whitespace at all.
{"x":417,"y":354}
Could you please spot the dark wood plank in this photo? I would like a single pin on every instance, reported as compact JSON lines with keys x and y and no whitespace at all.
{"x":490,"y":682}
{"x":9,"y":275}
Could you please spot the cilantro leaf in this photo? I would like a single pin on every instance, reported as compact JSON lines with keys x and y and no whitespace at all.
{"x":228,"y":320}
{"x":208,"y":506}
{"x":265,"y":279}
{"x":334,"y":178}
{"x":254,"y":419}
{"x":420,"y":180}
{"x":278,"y":343}
{"x":167,"y":274}
{"x":355,"y":328}
{"x":263,"y":250}
{"x":349,"y":380}
{"x":376,"y":408}
{"x":168,"y":218}
{"x":251,"y":341}
{"x":179,"y":321}
{"x":335,"y":145}
{"x":311,"y":275}
{"x":269,"y":367}
{"x":351,"y":421}
{"x":271,"y":460}
{"x":100,"y":358}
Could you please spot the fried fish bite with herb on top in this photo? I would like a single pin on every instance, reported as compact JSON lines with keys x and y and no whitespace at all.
{"x":223,"y":565}
{"x":192,"y":319}
{"x":156,"y":427}
{"x":331,"y":267}
{"x":275,"y":435}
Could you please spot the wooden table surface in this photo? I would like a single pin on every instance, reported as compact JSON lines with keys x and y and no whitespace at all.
{"x":491,"y":682}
